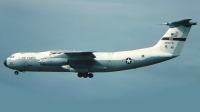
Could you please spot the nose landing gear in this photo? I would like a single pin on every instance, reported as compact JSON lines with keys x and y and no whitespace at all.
{"x":85,"y":75}
{"x":16,"y":72}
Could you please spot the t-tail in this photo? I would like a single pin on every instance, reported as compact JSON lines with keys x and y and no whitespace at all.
{"x":173,"y":40}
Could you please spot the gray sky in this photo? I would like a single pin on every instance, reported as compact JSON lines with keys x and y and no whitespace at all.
{"x":98,"y":25}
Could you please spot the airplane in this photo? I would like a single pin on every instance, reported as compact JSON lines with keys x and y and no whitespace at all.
{"x":85,"y":63}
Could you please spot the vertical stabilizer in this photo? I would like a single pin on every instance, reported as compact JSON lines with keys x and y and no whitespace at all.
{"x":174,"y":39}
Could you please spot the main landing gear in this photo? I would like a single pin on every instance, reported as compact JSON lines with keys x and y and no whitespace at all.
{"x":16,"y":72}
{"x":85,"y":75}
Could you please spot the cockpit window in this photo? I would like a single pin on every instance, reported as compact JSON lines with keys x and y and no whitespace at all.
{"x":12,"y":57}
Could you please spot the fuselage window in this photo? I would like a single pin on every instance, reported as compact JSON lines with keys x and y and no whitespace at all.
{"x":12,"y":57}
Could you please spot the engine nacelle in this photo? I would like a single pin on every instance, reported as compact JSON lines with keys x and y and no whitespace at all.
{"x":53,"y":61}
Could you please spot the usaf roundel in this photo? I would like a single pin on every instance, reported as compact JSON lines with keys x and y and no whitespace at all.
{"x":128,"y":60}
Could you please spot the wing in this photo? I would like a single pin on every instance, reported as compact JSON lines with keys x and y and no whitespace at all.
{"x":80,"y":54}
{"x":81,"y":59}
{"x":75,"y":54}
{"x":77,"y":59}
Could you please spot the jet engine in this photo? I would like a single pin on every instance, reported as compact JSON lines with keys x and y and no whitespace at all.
{"x":53,"y":61}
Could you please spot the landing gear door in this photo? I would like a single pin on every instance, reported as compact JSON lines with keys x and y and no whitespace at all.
{"x":109,"y":63}
{"x":28,"y":63}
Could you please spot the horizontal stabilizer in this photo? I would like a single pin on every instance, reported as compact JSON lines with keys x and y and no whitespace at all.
{"x":184,"y":22}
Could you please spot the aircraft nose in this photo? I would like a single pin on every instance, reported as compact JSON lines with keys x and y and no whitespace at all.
{"x":5,"y":63}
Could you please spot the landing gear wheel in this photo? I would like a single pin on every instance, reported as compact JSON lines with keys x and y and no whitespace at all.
{"x":80,"y":75}
{"x":16,"y":72}
{"x":85,"y":75}
{"x":90,"y":75}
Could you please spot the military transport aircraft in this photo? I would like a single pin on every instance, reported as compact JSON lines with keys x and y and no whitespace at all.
{"x":85,"y":63}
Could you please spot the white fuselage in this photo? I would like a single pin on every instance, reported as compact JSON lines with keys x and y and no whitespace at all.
{"x":103,"y":61}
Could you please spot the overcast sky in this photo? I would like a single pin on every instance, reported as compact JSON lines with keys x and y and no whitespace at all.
{"x":98,"y":25}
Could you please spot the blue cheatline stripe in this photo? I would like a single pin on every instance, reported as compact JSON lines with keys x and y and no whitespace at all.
{"x":175,"y":39}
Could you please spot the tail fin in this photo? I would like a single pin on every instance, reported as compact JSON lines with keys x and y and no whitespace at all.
{"x":174,"y":39}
